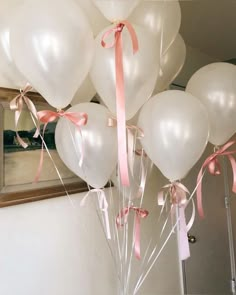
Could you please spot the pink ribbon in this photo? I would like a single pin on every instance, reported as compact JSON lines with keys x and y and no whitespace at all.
{"x":46,"y":116}
{"x":17,"y":105}
{"x":122,"y":219}
{"x":214,"y":168}
{"x":133,"y":132}
{"x":120,"y":91}
{"x":103,"y":205}
{"x":178,"y":198}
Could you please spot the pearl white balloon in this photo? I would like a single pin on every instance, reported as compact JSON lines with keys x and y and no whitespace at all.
{"x":161,"y":17}
{"x":52,"y":45}
{"x":171,"y":64}
{"x":140,"y":70}
{"x":176,"y":130}
{"x":97,"y":140}
{"x":215,"y":86}
{"x":115,"y":10}
{"x":10,"y":76}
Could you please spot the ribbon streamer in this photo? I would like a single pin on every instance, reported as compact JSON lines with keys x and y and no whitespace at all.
{"x":122,"y":219}
{"x":103,"y":205}
{"x":178,"y":198}
{"x":46,"y":116}
{"x":133,"y":133}
{"x":214,"y":168}
{"x":120,"y":91}
{"x":17,"y":105}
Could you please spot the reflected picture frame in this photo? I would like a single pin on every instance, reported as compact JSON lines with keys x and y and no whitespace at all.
{"x":12,"y":193}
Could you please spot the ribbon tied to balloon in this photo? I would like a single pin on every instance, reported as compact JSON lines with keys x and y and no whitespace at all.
{"x":103,"y":205}
{"x":17,"y":105}
{"x":214,"y":168}
{"x":47,"y":116}
{"x":178,"y":199}
{"x":120,"y":92}
{"x":122,"y":219}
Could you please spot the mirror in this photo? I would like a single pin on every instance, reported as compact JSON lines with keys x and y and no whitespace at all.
{"x":18,"y":166}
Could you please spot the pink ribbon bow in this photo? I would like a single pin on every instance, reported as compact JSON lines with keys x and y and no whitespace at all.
{"x":46,"y":116}
{"x":120,"y":91}
{"x":178,"y":198}
{"x":122,"y":219}
{"x":214,"y":168}
{"x":17,"y":105}
{"x":103,"y":205}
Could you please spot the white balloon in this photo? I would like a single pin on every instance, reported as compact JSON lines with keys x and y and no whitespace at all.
{"x":171,"y":64}
{"x":10,"y":77}
{"x":140,"y":70}
{"x":96,"y":140}
{"x":175,"y":126}
{"x":95,"y":17}
{"x":116,"y":10}
{"x":85,"y":93}
{"x":160,"y":17}
{"x":215,"y":86}
{"x":52,"y":45}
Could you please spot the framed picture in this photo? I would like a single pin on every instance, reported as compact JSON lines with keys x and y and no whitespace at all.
{"x":18,"y":165}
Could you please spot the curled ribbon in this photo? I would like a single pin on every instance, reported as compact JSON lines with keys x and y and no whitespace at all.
{"x":214,"y":168}
{"x":120,"y":91}
{"x":178,"y":198}
{"x":17,"y":105}
{"x":46,"y":116}
{"x":103,"y":205}
{"x":122,"y":219}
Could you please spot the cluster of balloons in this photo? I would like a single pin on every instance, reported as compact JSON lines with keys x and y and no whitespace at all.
{"x":61,"y":56}
{"x":177,"y":125}
{"x":56,"y":47}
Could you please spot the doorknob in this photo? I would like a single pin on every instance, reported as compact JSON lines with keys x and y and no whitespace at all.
{"x":192,"y":239}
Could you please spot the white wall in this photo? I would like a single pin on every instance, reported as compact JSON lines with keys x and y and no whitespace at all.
{"x":195,"y":59}
{"x":51,"y":248}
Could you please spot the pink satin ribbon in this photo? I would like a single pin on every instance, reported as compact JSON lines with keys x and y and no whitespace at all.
{"x":133,"y":132}
{"x":122,"y":219}
{"x":120,"y":91}
{"x":17,"y":105}
{"x":214,"y":168}
{"x":46,"y":116}
{"x":178,"y":198}
{"x":103,"y":205}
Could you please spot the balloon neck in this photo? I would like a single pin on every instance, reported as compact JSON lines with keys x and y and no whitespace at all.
{"x":60,"y":111}
{"x":175,"y":181}
{"x":116,"y":21}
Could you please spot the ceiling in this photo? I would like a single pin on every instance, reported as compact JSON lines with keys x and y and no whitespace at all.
{"x":210,"y":26}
